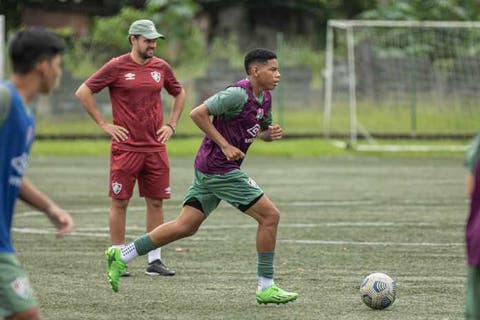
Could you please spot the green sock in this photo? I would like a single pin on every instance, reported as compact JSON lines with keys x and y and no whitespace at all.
{"x":472,"y":305}
{"x":143,"y":244}
{"x":265,"y":264}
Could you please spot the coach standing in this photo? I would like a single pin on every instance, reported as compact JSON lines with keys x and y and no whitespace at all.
{"x":139,"y":132}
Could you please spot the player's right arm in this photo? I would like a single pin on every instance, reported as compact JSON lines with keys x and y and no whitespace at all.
{"x":227,"y":103}
{"x":201,"y":117}
{"x":34,"y":197}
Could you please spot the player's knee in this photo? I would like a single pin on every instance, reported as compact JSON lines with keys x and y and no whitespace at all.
{"x":272,"y":217}
{"x":156,"y":203}
{"x":120,"y":204}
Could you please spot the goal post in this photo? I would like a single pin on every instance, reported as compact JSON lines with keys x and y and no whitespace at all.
{"x":401,"y":79}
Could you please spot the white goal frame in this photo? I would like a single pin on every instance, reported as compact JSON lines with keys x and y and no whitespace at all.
{"x":349,"y":26}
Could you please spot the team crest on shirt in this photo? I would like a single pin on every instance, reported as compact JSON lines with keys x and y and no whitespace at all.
{"x":252,"y":183}
{"x":260,"y":113}
{"x":116,"y":187}
{"x":156,"y":76}
{"x":21,"y":286}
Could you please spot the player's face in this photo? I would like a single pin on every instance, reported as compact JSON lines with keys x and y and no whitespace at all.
{"x":51,"y":73}
{"x":268,"y":74}
{"x":144,"y":47}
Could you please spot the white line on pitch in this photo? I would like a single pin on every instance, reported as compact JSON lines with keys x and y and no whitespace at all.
{"x":89,"y":210}
{"x":101,"y":235}
{"x":293,"y":225}
{"x":288,"y":225}
{"x":178,"y":207}
{"x":325,"y":242}
{"x":382,"y":244}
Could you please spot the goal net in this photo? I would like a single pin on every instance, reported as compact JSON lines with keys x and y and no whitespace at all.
{"x":402,"y":79}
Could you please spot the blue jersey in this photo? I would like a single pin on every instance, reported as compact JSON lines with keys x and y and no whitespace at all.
{"x":16,"y":137}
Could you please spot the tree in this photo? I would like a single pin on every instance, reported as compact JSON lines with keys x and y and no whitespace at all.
{"x":173,"y":18}
{"x":442,"y":10}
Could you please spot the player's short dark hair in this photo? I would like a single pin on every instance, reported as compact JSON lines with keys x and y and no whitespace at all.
{"x":32,"y":45}
{"x":258,"y":55}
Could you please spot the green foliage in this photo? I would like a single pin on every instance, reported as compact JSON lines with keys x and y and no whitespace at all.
{"x":173,"y":18}
{"x":411,"y":42}
{"x":424,"y":10}
{"x":227,"y":49}
{"x":111,"y":32}
{"x":184,"y":42}
{"x":301,"y":53}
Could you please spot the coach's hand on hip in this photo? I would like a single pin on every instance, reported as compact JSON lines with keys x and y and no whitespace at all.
{"x":118,"y":133}
{"x":165,"y":132}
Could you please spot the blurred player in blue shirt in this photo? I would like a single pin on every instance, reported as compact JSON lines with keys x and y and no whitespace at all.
{"x":36,"y":63}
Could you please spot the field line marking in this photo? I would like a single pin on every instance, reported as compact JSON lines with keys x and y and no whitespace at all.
{"x":294,"y":241}
{"x":369,"y":243}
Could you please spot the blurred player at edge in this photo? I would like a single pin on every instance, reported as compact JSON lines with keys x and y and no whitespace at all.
{"x":240,"y":113}
{"x":36,"y":62}
{"x":138,"y":131}
{"x":472,"y":232}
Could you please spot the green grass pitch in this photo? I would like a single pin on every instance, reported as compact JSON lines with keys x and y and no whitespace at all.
{"x":343,"y":217}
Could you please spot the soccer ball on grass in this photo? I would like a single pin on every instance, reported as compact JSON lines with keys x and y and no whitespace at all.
{"x":378,"y":290}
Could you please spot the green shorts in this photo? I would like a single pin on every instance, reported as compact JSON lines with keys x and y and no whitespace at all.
{"x":16,"y":294}
{"x":234,"y":187}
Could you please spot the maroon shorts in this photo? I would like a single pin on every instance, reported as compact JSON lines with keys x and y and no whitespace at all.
{"x":151,"y":169}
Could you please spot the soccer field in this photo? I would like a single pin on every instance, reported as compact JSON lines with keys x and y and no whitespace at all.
{"x":342,"y":218}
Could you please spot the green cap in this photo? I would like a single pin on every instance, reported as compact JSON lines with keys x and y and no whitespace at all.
{"x":144,"y":28}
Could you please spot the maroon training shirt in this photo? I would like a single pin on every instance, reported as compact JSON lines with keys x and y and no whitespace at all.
{"x":135,"y":97}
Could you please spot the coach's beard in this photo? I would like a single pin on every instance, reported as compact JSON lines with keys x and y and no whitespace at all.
{"x":147,"y":54}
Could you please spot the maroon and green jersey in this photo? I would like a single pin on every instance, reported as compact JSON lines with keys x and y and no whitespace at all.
{"x":135,"y":96}
{"x":472,"y":230}
{"x":238,"y":116}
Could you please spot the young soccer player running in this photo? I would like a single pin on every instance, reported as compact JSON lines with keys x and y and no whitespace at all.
{"x":36,"y":61}
{"x":240,"y":113}
{"x":139,"y":132}
{"x":472,"y":232}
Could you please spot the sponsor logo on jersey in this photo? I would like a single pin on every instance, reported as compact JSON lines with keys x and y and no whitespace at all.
{"x":19,"y":165}
{"x":156,"y":76}
{"x":254,"y":130}
{"x":22,"y":287}
{"x":116,"y":187}
{"x":130,"y":76}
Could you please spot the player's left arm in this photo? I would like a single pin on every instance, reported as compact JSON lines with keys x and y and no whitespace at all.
{"x":270,"y":132}
{"x":175,"y":89}
{"x":37,"y":199}
{"x":167,"y":130}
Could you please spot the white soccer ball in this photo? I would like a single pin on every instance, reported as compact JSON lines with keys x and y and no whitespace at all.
{"x":378,"y":290}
